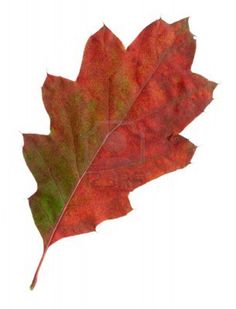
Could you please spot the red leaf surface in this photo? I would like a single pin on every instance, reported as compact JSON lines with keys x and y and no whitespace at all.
{"x":113,"y":129}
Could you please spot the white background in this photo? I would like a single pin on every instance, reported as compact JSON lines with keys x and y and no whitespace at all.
{"x":177,"y":249}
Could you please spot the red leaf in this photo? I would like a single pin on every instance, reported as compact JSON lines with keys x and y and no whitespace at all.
{"x":114,"y":128}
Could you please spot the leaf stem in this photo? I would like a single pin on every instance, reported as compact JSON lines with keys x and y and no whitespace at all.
{"x":34,"y":281}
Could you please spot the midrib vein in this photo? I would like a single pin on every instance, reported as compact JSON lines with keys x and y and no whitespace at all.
{"x":106,"y":137}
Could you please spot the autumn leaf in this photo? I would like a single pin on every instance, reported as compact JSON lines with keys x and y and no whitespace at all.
{"x":113,"y":129}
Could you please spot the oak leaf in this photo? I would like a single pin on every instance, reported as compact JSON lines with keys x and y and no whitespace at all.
{"x":113,"y":129}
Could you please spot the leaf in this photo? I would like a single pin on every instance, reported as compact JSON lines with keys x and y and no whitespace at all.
{"x":113,"y":129}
